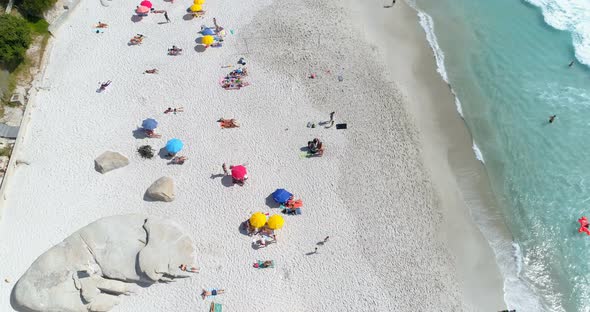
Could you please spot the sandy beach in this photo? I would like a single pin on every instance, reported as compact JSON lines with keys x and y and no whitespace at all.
{"x":401,"y":237}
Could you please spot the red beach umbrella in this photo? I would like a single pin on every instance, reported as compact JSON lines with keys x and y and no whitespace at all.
{"x":146,"y":3}
{"x":142,"y":9}
{"x":238,"y":172}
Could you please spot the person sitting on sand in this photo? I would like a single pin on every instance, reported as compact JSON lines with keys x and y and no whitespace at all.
{"x":183,"y":267}
{"x":212,"y":292}
{"x":315,"y":147}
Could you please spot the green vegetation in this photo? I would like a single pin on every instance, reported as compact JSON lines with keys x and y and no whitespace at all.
{"x":15,"y":39}
{"x":36,"y":7}
{"x":6,"y":151}
{"x":38,"y":26}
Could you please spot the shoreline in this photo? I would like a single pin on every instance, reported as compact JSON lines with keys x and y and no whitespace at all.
{"x":460,"y":179}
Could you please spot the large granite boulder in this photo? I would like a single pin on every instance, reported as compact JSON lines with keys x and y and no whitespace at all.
{"x":162,"y":189}
{"x":108,"y":161}
{"x":91,"y":268}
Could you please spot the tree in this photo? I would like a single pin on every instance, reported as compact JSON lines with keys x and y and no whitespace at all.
{"x":36,"y":7}
{"x":15,"y":39}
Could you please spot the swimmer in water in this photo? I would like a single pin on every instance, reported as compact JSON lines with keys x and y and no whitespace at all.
{"x":552,"y":118}
{"x":571,"y":63}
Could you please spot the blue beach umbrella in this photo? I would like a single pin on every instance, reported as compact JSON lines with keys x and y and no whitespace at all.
{"x":208,"y":31}
{"x":149,"y":124}
{"x":281,"y":196}
{"x":174,"y":146}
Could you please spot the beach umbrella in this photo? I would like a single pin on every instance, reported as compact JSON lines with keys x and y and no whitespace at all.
{"x":275,"y":222}
{"x":238,"y":172}
{"x":281,"y":196}
{"x":196,"y":8}
{"x":199,"y":2}
{"x":258,"y":220}
{"x":149,"y":124}
{"x":142,"y":9}
{"x":208,"y":31}
{"x":207,"y":40}
{"x":174,"y":145}
{"x":146,"y":3}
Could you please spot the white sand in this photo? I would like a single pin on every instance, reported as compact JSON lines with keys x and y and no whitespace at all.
{"x":369,"y":193}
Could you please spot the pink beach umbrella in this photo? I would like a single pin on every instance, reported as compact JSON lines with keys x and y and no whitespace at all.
{"x":146,"y":3}
{"x":238,"y":172}
{"x":142,"y":9}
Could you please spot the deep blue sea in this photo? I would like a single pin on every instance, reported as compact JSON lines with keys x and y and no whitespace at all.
{"x":507,"y":62}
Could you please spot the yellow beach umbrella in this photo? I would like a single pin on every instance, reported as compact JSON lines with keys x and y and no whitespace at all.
{"x":207,"y":40}
{"x":275,"y":222}
{"x":258,"y":220}
{"x":196,"y":8}
{"x":199,"y":2}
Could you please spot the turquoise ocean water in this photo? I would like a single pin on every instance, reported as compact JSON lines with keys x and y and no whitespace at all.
{"x":507,"y":62}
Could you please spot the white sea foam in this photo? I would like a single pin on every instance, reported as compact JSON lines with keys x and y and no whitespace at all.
{"x":572,"y":16}
{"x":458,"y":104}
{"x":428,"y":25}
{"x":517,"y":258}
{"x":477,"y":152}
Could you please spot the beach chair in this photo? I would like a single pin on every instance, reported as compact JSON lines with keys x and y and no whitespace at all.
{"x":215,"y":307}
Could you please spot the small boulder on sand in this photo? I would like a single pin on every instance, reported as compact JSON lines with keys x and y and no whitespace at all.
{"x":108,"y":161}
{"x":162,"y":189}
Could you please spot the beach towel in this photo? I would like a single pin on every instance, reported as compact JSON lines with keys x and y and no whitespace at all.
{"x":258,"y":264}
{"x":215,"y":307}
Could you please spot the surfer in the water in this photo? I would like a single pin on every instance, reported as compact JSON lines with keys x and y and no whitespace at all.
{"x":552,"y":118}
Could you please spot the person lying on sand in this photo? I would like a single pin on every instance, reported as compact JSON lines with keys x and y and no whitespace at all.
{"x":152,"y":134}
{"x":178,"y":160}
{"x":101,"y":25}
{"x":183,"y":267}
{"x":228,"y":123}
{"x":151,"y":71}
{"x":263,"y":265}
{"x":174,"y":110}
{"x":174,"y":50}
{"x":213,"y":292}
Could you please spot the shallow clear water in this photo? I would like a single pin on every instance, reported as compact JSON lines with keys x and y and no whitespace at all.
{"x":508,"y":65}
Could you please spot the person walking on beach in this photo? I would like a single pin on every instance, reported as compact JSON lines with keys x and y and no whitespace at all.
{"x":166,"y":16}
{"x":322,"y":243}
{"x":224,"y":167}
{"x":552,"y":118}
{"x":217,"y":28}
